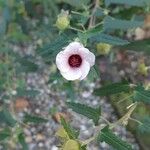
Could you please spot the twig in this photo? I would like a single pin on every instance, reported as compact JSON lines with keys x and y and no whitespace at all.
{"x":126,"y":117}
{"x":92,"y":18}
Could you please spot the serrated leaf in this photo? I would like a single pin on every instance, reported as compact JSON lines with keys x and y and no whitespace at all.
{"x":99,"y":12}
{"x":141,"y":94}
{"x":106,"y":135}
{"x":34,"y":119}
{"x":138,"y":3}
{"x":49,"y":51}
{"x":89,"y":34}
{"x":21,"y":92}
{"x":77,"y":3}
{"x":105,"y":38}
{"x":72,"y":133}
{"x":138,"y":46}
{"x":21,"y":140}
{"x":113,"y":23}
{"x":113,"y":88}
{"x":4,"y":134}
{"x":145,"y":126}
{"x":89,"y":112}
{"x":69,"y":87}
{"x":26,"y":65}
{"x":94,"y":73}
{"x":7,"y":118}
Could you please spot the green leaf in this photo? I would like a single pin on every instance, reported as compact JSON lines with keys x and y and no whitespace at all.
{"x":77,"y":3}
{"x":27,"y":65}
{"x":145,"y":126}
{"x":138,"y":3}
{"x":105,"y":38}
{"x":106,"y":135}
{"x":72,"y":133}
{"x":7,"y":118}
{"x":94,"y":73}
{"x":141,"y":95}
{"x":89,"y":34}
{"x":34,"y":119}
{"x":21,"y":140}
{"x":5,"y":18}
{"x":113,"y":23}
{"x":69,"y":87}
{"x":4,"y":134}
{"x":138,"y":46}
{"x":89,"y":112}
{"x":49,"y":51}
{"x":21,"y":92}
{"x":113,"y":88}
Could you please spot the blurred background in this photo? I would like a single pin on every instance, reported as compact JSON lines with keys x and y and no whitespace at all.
{"x":32,"y":91}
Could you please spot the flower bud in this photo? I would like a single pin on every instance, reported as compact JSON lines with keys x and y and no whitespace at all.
{"x":63,"y":21}
{"x":142,"y":69}
{"x":71,"y":145}
{"x":103,"y":48}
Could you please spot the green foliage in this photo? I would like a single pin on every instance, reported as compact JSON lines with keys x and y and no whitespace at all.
{"x":106,"y":38}
{"x":4,"y":134}
{"x":77,"y":3}
{"x":113,"y":23}
{"x":139,"y":3}
{"x":113,"y":88}
{"x":141,"y":94}
{"x":106,"y":135}
{"x":144,"y":127}
{"x":7,"y":118}
{"x":34,"y":21}
{"x":138,"y":46}
{"x":26,"y":65}
{"x":49,"y":51}
{"x":89,"y":112}
{"x":21,"y":140}
{"x":34,"y":119}
{"x":72,"y":133}
{"x":22,"y":92}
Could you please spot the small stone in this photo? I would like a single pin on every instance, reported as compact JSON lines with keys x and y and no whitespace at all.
{"x":40,"y":137}
{"x":37,"y":111}
{"x":40,"y":144}
{"x":28,"y":139}
{"x":54,"y":148}
{"x":21,"y":104}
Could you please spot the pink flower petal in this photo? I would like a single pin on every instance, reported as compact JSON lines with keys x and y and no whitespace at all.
{"x":62,"y":61}
{"x":85,"y":68}
{"x":72,"y":74}
{"x":87,"y":55}
{"x":73,"y":47}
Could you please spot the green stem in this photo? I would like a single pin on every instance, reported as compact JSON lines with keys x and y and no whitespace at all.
{"x":125,"y":98}
{"x":139,"y":122}
{"x":75,"y":29}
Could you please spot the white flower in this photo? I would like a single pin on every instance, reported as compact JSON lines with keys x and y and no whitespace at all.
{"x":74,"y":61}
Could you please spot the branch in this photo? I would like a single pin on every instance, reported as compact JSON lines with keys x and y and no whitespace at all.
{"x":92,"y":18}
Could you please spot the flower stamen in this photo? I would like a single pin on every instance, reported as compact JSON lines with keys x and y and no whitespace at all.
{"x":75,"y":60}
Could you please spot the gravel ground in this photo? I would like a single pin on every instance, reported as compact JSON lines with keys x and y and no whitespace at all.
{"x":42,"y":137}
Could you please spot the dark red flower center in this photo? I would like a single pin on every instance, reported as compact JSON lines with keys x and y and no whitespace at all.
{"x":75,"y":60}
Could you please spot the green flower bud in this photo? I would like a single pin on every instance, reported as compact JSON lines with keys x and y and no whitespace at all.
{"x":71,"y":145}
{"x":103,"y":48}
{"x":63,"y":20}
{"x":142,"y":69}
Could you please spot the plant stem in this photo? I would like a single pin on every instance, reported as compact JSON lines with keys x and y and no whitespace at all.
{"x":92,"y":18}
{"x":136,"y":121}
{"x":75,"y":29}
